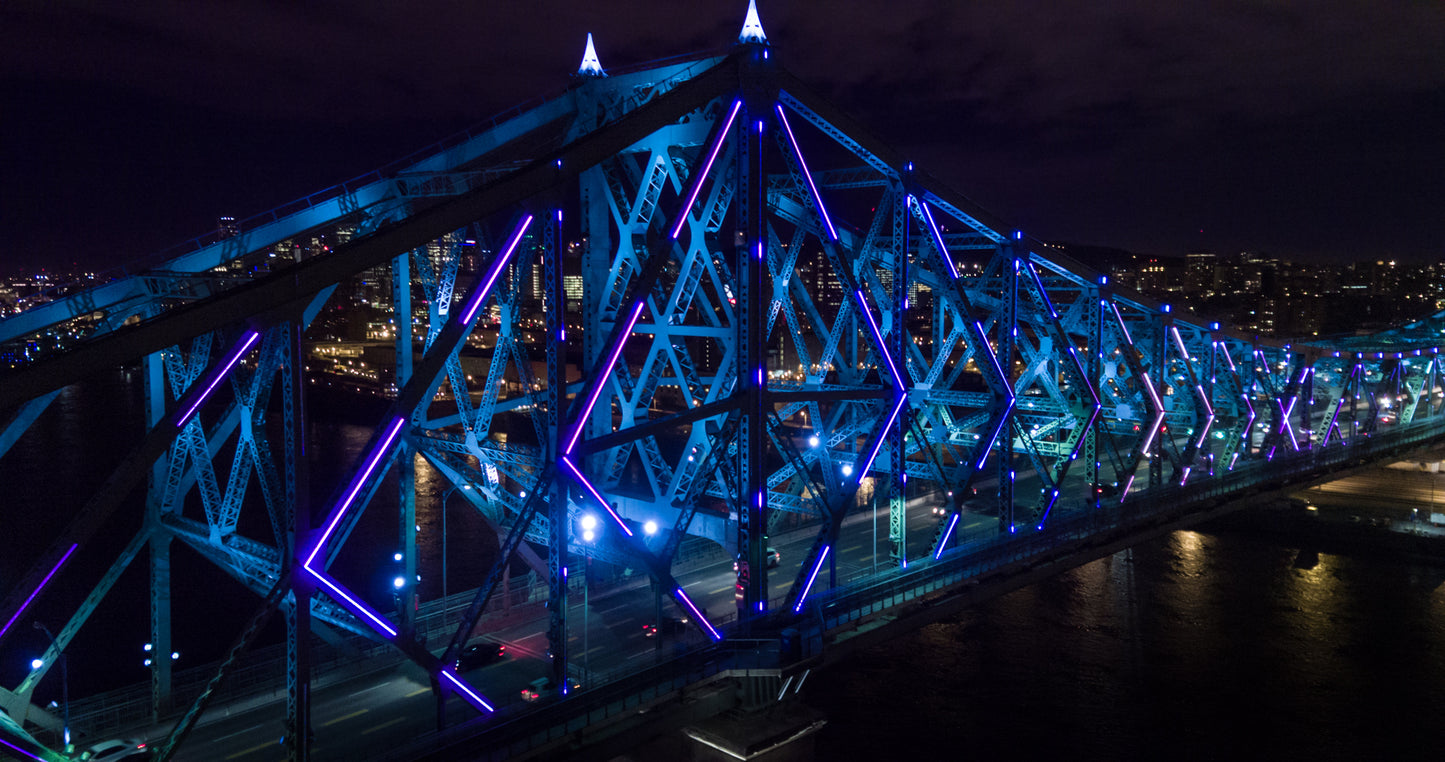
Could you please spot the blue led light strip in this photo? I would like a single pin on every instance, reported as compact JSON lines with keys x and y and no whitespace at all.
{"x":1053,"y":498}
{"x":686,"y":601}
{"x":938,"y":239}
{"x":1042,"y":291}
{"x":803,"y":167}
{"x":249,"y":339}
{"x":37,"y":590}
{"x":947,"y":533}
{"x":19,"y":750}
{"x":338,"y":592}
{"x":472,"y":697}
{"x":591,"y":490}
{"x":882,"y":435}
{"x":811,"y":578}
{"x":701,"y":176}
{"x":603,"y":372}
{"x":479,"y":297}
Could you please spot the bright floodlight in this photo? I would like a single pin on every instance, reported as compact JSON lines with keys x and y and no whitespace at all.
{"x":847,"y":469}
{"x":589,"y":522}
{"x":175,"y":655}
{"x":37,"y":663}
{"x":399,"y":583}
{"x":650,"y":527}
{"x":813,"y":441}
{"x":396,"y":556}
{"x":588,"y":535}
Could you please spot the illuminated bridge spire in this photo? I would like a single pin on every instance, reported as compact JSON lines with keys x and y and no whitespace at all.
{"x":590,"y":67}
{"x":752,"y":27}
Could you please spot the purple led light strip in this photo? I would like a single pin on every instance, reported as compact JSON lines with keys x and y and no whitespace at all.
{"x":355,"y":605}
{"x":701,"y":176}
{"x":1117,"y":316}
{"x":1054,"y":498}
{"x":577,"y":473}
{"x":382,"y":449}
{"x":479,"y":297}
{"x":1127,"y":486}
{"x":882,"y":435}
{"x":878,"y":336}
{"x":27,"y":754}
{"x":250,"y":338}
{"x":686,"y":601}
{"x":1158,"y":419}
{"x":604,"y":371}
{"x":37,"y":590}
{"x":811,"y":578}
{"x":1209,"y":409}
{"x":803,"y":165}
{"x":937,"y":239}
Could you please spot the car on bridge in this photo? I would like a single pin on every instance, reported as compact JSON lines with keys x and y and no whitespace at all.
{"x":673,"y":626}
{"x":773,"y":556}
{"x":544,"y":688}
{"x":480,"y":655}
{"x":107,"y":751}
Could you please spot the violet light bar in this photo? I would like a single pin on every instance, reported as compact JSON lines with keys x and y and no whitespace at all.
{"x":701,"y":176}
{"x":817,"y":566}
{"x":479,"y":297}
{"x":803,"y":167}
{"x":247,"y":341}
{"x":604,"y":371}
{"x":35,"y":593}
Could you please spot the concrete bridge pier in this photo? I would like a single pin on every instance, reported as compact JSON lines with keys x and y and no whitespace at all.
{"x":771,"y":725}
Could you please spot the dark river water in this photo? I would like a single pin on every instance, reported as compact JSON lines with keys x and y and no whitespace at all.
{"x":1197,"y":645}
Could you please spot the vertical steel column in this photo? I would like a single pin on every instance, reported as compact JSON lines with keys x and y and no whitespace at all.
{"x":750,"y":258}
{"x":405,"y":454}
{"x":159,"y":547}
{"x":1159,"y":365}
{"x":1006,"y":326}
{"x":1094,"y":324}
{"x":898,"y":477}
{"x":555,"y":307}
{"x":298,"y":531}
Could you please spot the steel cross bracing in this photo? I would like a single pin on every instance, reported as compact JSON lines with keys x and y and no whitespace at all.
{"x":705,"y":302}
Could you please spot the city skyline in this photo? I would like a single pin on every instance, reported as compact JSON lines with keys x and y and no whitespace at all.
{"x":1303,"y":132}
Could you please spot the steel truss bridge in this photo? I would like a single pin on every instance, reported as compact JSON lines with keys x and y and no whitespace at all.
{"x":773,"y":320}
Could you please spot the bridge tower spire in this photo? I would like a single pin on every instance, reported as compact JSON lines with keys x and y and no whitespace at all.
{"x":590,"y":67}
{"x":752,"y":27}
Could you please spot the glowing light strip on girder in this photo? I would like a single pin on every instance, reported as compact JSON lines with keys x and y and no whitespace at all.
{"x":1042,"y":292}
{"x":383,"y":448}
{"x":1287,"y":425}
{"x":1053,"y":498}
{"x":479,"y":297}
{"x":937,"y":238}
{"x":1117,"y":316}
{"x":878,"y":336}
{"x":686,"y":601}
{"x":803,"y":165}
{"x":1209,"y":409}
{"x":605,"y":371}
{"x":882,"y":435}
{"x":817,"y":566}
{"x":1158,"y":419}
{"x":19,"y":750}
{"x":36,"y":592}
{"x":250,"y":338}
{"x":474,"y":698}
{"x":943,"y":543}
{"x":701,"y":176}
{"x":1127,"y":486}
{"x":591,"y":490}
{"x":335,"y":590}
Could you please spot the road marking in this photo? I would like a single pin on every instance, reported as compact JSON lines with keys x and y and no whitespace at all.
{"x":599,"y":648}
{"x":859,"y":546}
{"x":372,"y":688}
{"x":417,"y":692}
{"x":343,"y":717}
{"x":614,"y":608}
{"x":239,"y":732}
{"x":722,"y":589}
{"x":383,"y":725}
{"x":253,"y":749}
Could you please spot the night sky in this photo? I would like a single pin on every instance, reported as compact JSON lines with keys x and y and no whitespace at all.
{"x":1312,"y":130}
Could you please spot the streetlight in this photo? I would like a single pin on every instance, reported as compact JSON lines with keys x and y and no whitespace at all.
{"x":64,"y":678}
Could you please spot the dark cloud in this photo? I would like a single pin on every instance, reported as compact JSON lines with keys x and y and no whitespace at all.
{"x":1129,"y":123}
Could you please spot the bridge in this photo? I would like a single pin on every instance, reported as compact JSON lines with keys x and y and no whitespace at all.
{"x":681,"y":337}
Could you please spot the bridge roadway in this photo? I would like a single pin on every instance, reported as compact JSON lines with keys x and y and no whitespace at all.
{"x":640,"y":679}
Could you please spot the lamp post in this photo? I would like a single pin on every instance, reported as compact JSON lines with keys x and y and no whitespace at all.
{"x":64,"y":680}
{"x":445,"y":497}
{"x":589,"y":534}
